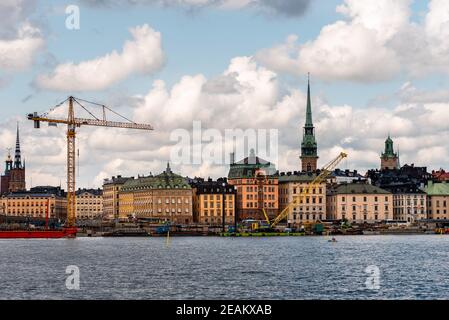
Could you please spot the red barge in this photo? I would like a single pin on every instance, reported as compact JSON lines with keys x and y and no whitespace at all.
{"x":67,"y":232}
{"x":39,"y":234}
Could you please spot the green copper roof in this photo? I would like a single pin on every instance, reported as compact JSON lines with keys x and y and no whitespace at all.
{"x":309,"y":122}
{"x":389,"y":150}
{"x":165,"y":180}
{"x":309,"y":145}
{"x":437,"y":189}
{"x":248,"y":167}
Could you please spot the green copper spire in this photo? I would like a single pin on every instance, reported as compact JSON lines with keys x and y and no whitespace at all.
{"x":309,"y":122}
{"x":389,"y":150}
{"x":309,"y":146}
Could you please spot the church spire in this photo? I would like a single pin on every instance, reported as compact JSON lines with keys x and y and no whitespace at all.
{"x":17,"y":156}
{"x":309,"y":122}
{"x":309,"y":152}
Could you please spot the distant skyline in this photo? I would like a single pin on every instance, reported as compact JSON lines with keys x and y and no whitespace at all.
{"x":377,"y":68}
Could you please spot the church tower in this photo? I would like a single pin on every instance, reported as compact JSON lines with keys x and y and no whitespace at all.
{"x":309,"y":153}
{"x":17,"y":172}
{"x":389,"y":160}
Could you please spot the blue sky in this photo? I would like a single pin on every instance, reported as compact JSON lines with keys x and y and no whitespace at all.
{"x":366,"y":89}
{"x":203,"y":41}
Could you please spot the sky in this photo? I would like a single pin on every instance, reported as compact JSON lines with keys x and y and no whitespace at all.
{"x":376,"y":68}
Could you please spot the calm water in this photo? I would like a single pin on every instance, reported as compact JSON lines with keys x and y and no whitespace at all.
{"x":412,"y":267}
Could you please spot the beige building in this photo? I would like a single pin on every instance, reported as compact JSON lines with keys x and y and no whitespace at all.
{"x":437,"y":200}
{"x":89,"y":204}
{"x":359,"y":203}
{"x":409,"y":202}
{"x":208,"y":202}
{"x":311,"y":207}
{"x":165,"y":197}
{"x":111,"y":189}
{"x":35,"y":203}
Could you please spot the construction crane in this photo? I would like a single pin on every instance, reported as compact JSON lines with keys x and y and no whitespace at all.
{"x":72,"y":123}
{"x":324,"y":173}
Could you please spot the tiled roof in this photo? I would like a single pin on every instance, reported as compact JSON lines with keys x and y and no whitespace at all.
{"x":296,"y":177}
{"x":356,"y":188}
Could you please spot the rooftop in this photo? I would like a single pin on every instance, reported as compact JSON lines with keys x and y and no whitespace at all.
{"x":437,"y":189}
{"x":356,"y":188}
{"x":165,"y":180}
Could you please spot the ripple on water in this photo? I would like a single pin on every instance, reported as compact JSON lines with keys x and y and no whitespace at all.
{"x":411,"y":267}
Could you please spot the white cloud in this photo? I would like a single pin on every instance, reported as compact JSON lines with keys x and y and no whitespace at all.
{"x":378,"y":42}
{"x":251,"y":96}
{"x":142,"y":55}
{"x":20,"y":40}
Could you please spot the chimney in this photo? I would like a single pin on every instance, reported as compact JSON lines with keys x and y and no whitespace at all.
{"x":232,"y":158}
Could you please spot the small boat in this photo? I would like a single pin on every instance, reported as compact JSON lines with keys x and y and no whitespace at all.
{"x":332,"y":240}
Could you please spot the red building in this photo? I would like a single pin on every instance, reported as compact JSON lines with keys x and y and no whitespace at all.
{"x":440,"y":175}
{"x":13,"y":179}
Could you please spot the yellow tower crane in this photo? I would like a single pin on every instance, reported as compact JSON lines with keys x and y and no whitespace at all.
{"x":72,"y":123}
{"x":328,"y":168}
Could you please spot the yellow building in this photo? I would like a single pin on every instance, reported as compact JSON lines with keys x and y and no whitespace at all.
{"x":35,"y":203}
{"x":111,"y":189}
{"x":165,"y":197}
{"x":437,"y":200}
{"x":89,"y":204}
{"x":209,"y":199}
{"x":359,"y":203}
{"x":310,"y":208}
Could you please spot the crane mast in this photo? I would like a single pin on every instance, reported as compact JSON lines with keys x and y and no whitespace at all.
{"x":72,"y":123}
{"x":71,"y":201}
{"x":328,"y":168}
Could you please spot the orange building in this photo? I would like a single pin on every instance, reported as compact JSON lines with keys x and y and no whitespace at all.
{"x":257,"y":184}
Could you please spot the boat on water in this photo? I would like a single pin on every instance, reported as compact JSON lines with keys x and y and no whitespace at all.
{"x":39,"y":234}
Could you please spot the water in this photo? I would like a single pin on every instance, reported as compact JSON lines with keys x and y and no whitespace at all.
{"x":411,"y":267}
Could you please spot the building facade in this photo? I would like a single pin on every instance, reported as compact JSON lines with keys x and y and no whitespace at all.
{"x":437,"y":200}
{"x":111,"y":189}
{"x":359,"y":203}
{"x":13,"y":180}
{"x":256,"y":181}
{"x":311,"y":207}
{"x":35,"y":203}
{"x":309,"y":148}
{"x":389,"y":160}
{"x":409,"y":202}
{"x":210,"y":198}
{"x":165,"y":197}
{"x":89,"y":204}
